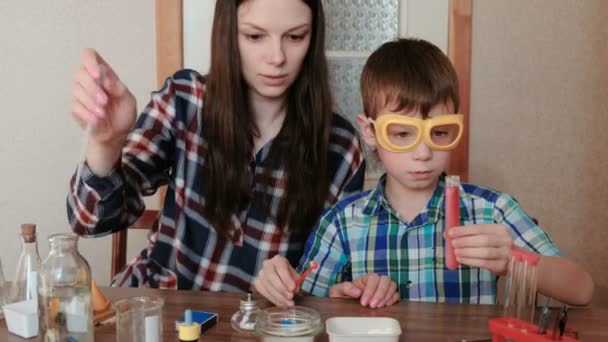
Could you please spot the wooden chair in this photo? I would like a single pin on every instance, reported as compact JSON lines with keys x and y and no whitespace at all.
{"x":148,"y":220}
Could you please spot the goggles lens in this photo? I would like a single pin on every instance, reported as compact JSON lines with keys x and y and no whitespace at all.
{"x":444,"y":135}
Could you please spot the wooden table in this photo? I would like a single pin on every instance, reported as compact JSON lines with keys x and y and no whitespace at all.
{"x":419,"y":321}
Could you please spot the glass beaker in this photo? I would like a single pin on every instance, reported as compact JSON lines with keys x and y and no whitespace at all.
{"x":64,"y":296}
{"x":139,"y":319}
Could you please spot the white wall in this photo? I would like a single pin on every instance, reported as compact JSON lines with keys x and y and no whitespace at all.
{"x":539,"y":112}
{"x":40,"y":44}
{"x":426,"y":20}
{"x":198,"y":20}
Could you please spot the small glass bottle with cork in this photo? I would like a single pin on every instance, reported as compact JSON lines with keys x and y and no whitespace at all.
{"x":28,"y":266}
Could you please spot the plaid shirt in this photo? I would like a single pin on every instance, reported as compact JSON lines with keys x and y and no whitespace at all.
{"x":364,"y":234}
{"x":167,"y":147}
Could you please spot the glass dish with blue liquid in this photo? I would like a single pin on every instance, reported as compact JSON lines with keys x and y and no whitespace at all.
{"x":296,"y":323}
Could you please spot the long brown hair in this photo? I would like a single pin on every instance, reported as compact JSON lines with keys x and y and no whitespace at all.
{"x":301,"y":144}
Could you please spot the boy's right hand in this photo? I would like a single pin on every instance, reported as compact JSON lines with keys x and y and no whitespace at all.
{"x":276,"y":281}
{"x":109,"y":107}
{"x":375,"y":291}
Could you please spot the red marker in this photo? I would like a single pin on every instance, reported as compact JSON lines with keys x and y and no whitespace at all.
{"x":452,"y":217}
{"x":313,"y":266}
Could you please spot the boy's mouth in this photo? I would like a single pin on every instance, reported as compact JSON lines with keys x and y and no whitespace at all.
{"x":420,"y":174}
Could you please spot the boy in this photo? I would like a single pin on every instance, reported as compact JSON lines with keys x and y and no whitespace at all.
{"x":388,"y":243}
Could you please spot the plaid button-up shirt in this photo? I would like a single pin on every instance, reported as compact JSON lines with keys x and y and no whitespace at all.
{"x":364,"y":234}
{"x":167,"y":147}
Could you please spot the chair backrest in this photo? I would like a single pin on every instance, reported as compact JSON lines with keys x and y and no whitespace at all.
{"x":147,"y":220}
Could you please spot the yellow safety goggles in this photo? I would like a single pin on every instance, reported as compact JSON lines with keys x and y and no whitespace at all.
{"x":400,"y":133}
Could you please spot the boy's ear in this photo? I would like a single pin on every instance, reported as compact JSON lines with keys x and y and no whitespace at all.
{"x":367,"y":130}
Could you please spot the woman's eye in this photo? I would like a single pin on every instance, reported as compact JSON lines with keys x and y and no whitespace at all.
{"x":296,"y":37}
{"x":254,"y":37}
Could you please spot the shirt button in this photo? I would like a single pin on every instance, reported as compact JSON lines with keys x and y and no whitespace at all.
{"x":409,"y":285}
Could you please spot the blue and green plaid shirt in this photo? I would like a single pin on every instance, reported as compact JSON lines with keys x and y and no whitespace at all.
{"x":364,"y":234}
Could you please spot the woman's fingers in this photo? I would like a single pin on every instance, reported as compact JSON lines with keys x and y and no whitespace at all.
{"x":83,"y":116}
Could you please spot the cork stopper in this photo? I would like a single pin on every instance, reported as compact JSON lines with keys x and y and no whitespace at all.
{"x":28,"y":232}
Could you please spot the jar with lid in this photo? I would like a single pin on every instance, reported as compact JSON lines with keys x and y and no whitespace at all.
{"x":243,"y":320}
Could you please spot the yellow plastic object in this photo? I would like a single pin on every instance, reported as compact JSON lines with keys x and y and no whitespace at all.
{"x":400,"y":133}
{"x":189,"y":330}
{"x":100,"y":302}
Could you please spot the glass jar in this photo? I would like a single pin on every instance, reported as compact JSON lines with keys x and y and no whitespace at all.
{"x":295,"y":323}
{"x":139,"y":319}
{"x":243,"y":320}
{"x":65,"y":309}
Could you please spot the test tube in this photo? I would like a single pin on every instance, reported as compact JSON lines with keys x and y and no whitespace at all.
{"x":527,"y":303}
{"x":523,"y":288}
{"x":452,"y":217}
{"x":511,"y":290}
{"x":520,"y":298}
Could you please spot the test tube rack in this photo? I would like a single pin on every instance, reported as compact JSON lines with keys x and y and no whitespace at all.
{"x":517,"y":322}
{"x":512,"y":329}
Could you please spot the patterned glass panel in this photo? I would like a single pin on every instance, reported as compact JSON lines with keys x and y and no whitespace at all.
{"x":345,"y":74}
{"x":360,"y":25}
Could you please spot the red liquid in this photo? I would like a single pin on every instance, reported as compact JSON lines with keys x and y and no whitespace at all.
{"x":452,"y":219}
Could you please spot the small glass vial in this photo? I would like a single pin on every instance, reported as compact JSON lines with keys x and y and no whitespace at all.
{"x":28,"y":265}
{"x":243,"y":320}
{"x":65,"y":308}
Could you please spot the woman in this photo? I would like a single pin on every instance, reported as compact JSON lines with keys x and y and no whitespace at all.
{"x":251,"y":152}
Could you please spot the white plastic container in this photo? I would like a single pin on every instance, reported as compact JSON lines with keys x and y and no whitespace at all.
{"x":22,"y":318}
{"x":363,"y":329}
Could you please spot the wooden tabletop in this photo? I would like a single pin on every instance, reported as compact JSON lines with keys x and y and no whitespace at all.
{"x":419,"y":321}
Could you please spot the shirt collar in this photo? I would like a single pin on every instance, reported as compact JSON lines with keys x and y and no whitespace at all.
{"x":433,"y":212}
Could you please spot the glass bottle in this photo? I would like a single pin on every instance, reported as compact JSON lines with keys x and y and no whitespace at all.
{"x":3,"y":290}
{"x":28,"y":265}
{"x":65,"y":308}
{"x":243,"y":320}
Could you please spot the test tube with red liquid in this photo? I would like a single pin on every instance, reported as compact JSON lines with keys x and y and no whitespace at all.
{"x":452,"y":217}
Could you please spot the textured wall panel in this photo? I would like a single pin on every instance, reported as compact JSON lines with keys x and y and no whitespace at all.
{"x":345,"y":75}
{"x":360,"y":25}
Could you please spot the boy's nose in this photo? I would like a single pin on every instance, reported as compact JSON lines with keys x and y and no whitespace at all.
{"x":423,"y":152}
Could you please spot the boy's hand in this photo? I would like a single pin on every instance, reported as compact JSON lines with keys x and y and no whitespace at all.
{"x":276,"y":281}
{"x":375,"y":291}
{"x":486,"y":246}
